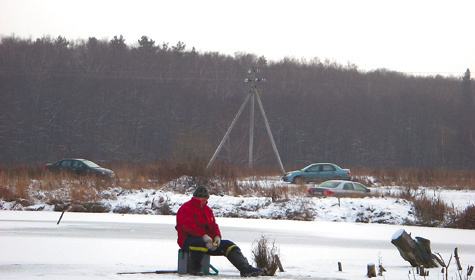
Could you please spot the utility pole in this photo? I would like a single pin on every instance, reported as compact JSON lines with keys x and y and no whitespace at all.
{"x":252,"y":95}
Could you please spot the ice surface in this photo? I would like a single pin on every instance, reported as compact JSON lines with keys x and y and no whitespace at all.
{"x":98,"y":246}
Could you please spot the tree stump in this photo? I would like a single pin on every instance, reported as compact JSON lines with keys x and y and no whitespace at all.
{"x":371,"y":268}
{"x":416,"y":251}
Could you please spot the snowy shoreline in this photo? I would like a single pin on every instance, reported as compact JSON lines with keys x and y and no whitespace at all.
{"x":167,"y":200}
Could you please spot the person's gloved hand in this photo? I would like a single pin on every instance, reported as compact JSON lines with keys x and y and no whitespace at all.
{"x":217,"y":241}
{"x":209,"y":242}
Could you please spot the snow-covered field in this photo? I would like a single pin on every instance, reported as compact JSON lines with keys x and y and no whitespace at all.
{"x":98,"y":246}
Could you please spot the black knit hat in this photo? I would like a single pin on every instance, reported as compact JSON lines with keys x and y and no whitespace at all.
{"x":201,"y":192}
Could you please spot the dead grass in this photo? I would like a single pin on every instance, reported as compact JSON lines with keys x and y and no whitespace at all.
{"x":430,"y":212}
{"x":264,"y":255}
{"x":463,"y":219}
{"x":18,"y":181}
{"x":446,"y":178}
{"x":7,"y":193}
{"x":15,"y":190}
{"x":81,"y":193}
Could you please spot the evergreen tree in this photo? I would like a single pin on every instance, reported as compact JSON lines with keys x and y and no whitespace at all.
{"x":467,"y":95}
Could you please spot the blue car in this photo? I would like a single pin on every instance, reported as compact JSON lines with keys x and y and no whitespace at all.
{"x":317,"y":172}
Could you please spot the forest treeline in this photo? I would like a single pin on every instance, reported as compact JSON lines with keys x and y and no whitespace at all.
{"x":105,"y":100}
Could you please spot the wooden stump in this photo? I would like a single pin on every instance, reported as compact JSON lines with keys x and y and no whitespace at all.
{"x":371,"y":270}
{"x":416,"y":251}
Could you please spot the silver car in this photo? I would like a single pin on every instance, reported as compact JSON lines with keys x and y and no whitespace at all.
{"x":338,"y":187}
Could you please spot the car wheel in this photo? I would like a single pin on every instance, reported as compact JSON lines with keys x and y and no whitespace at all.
{"x":298,"y":180}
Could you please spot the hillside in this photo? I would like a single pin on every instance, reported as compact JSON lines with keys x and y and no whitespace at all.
{"x":106,"y":101}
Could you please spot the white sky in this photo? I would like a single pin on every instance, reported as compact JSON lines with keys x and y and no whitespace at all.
{"x":413,"y":36}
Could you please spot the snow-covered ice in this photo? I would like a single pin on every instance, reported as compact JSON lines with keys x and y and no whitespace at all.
{"x":98,"y":246}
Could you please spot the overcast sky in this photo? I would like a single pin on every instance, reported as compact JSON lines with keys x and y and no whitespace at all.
{"x":411,"y":36}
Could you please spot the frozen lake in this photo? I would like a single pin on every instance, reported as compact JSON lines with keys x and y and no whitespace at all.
{"x":98,"y":246}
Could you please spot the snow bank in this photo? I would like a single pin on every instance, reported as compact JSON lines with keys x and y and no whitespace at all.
{"x":168,"y":198}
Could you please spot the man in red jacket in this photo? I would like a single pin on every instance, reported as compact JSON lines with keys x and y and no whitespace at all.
{"x":198,"y":233}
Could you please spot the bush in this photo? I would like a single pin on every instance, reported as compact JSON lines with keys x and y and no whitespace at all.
{"x":464,"y":219}
{"x":265,"y":256}
{"x":7,"y":193}
{"x":430,"y":212}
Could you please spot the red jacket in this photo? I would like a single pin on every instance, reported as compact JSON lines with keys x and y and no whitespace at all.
{"x":193,"y":220}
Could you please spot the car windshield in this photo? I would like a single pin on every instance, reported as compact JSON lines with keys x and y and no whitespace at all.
{"x":90,"y":163}
{"x":329,"y":184}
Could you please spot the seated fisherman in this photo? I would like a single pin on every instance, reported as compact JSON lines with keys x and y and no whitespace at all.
{"x":198,"y":233}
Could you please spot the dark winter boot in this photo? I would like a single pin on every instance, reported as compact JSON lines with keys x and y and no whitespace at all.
{"x":236,"y":257}
{"x":194,"y":264}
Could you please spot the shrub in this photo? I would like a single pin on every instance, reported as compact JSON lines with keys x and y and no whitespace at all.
{"x":301,"y":212}
{"x":464,"y":219}
{"x":7,"y":193}
{"x":81,"y":193}
{"x":165,"y":209}
{"x":15,"y":190}
{"x":430,"y":212}
{"x":265,"y":256}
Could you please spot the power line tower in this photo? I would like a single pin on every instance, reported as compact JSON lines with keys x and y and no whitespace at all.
{"x":252,"y":95}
